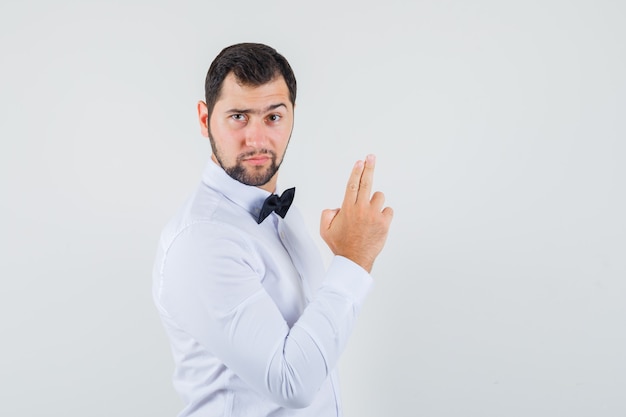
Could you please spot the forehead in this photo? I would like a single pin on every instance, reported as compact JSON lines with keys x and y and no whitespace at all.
{"x":235,"y":94}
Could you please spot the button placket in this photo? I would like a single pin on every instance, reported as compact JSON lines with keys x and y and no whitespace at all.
{"x":292,"y":251}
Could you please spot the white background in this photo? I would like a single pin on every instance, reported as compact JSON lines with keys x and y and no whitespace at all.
{"x":500,"y":135}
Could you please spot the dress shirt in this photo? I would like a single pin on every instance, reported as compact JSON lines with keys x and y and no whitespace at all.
{"x":255,"y":321}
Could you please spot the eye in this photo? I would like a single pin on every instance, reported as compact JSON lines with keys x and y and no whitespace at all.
{"x":274,"y":117}
{"x":238,"y":117}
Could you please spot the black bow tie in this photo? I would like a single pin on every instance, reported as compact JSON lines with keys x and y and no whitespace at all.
{"x":280,"y":205}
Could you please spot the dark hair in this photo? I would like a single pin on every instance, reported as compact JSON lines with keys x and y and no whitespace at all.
{"x":253,"y":64}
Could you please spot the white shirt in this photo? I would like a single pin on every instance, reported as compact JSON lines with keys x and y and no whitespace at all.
{"x":256,"y":324}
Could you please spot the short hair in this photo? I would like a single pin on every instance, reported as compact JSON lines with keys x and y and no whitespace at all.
{"x":253,"y":64}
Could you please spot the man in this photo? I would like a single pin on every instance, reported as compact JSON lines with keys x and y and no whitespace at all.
{"x":256,"y":324}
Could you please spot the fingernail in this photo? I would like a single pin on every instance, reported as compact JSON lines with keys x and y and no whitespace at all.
{"x":371,"y":158}
{"x":358,"y":164}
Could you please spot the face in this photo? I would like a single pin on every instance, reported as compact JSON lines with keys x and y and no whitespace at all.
{"x":249,"y":130}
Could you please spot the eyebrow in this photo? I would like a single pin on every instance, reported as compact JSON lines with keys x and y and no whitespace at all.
{"x":253,"y":111}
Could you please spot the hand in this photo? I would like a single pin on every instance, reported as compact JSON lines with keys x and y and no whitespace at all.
{"x":359,"y":229}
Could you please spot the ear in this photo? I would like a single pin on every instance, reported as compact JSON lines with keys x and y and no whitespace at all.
{"x":203,"y":118}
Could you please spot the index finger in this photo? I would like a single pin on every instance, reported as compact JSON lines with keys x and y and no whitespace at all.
{"x":367,"y":178}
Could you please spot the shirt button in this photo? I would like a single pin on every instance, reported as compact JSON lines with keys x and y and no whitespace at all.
{"x":282,"y":235}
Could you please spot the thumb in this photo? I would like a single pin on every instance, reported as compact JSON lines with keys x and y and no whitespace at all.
{"x":327,"y":218}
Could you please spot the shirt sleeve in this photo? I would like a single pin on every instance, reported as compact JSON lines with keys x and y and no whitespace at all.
{"x":211,"y":288}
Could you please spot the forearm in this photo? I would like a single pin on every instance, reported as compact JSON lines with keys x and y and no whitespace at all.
{"x":314,"y":344}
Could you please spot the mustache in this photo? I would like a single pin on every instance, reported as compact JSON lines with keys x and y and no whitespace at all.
{"x":260,"y":152}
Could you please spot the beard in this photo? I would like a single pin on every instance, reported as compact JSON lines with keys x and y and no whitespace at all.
{"x":255,"y":176}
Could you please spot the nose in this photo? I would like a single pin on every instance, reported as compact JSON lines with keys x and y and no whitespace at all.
{"x":256,"y":134}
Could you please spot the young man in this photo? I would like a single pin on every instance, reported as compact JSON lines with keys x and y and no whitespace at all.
{"x":255,"y":322}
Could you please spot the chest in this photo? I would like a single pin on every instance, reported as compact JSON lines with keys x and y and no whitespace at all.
{"x":285,"y":272}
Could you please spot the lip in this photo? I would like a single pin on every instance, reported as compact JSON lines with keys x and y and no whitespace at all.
{"x":257,"y":160}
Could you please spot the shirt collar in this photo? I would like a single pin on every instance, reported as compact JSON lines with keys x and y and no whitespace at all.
{"x":248,"y":197}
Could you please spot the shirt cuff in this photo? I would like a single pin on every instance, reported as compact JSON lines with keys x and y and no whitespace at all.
{"x":349,"y":279}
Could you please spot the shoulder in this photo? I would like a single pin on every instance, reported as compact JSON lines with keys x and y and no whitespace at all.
{"x":209,"y":214}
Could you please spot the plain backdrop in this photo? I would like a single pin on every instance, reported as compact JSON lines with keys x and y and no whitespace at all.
{"x":500,"y":132}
